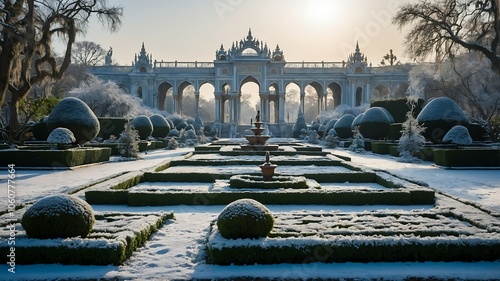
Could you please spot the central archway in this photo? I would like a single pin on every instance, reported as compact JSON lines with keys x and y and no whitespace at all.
{"x":249,"y":99}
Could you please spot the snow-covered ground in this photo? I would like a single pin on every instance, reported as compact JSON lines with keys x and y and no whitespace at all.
{"x":176,"y":250}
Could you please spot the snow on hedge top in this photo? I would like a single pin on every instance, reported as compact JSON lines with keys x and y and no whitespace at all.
{"x":142,"y":121}
{"x":61,"y":136}
{"x":344,"y":121}
{"x":375,"y":114}
{"x":158,"y":121}
{"x":74,"y":110}
{"x":458,"y":135}
{"x":244,"y":207}
{"x":357,"y":121}
{"x":442,"y":108}
{"x":57,"y":204}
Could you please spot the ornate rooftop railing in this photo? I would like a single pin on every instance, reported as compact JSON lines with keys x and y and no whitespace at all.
{"x":321,"y":64}
{"x":180,"y":64}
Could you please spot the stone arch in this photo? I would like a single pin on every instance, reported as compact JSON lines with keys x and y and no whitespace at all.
{"x":206,"y":104}
{"x":314,"y":100}
{"x":400,"y":90}
{"x":336,"y":97}
{"x":139,"y":92}
{"x":358,"y":69}
{"x":225,"y":102}
{"x":163,"y":89}
{"x":274,"y":106}
{"x":123,"y":88}
{"x":380,"y":92}
{"x":181,"y":95}
{"x":359,"y":96}
{"x":247,"y":111}
{"x":292,"y":101}
{"x":143,"y":69}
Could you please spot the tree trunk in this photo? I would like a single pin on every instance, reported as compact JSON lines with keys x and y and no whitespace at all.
{"x":14,"y":120}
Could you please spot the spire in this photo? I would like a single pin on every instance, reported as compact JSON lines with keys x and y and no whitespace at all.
{"x":249,"y":36}
{"x":357,"y":46}
{"x":143,"y":50}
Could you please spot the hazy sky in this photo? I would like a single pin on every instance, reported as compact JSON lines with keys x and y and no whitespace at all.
{"x":306,"y":30}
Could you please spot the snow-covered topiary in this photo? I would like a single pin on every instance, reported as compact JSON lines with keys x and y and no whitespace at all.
{"x":375,"y":123}
{"x":458,"y":135}
{"x":439,"y":116}
{"x":75,"y":115}
{"x":61,"y":137}
{"x":357,"y":121}
{"x":299,"y":125}
{"x":343,"y":126}
{"x":245,"y":218}
{"x":412,"y":140}
{"x":330,"y":124}
{"x":143,"y":126}
{"x":58,"y":216}
{"x":312,"y":137}
{"x":161,"y":128}
{"x":173,"y":133}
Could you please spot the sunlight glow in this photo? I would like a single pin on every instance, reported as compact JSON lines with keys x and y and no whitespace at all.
{"x":320,"y":11}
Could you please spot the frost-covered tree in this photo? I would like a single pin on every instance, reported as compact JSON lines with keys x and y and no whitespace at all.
{"x":28,"y":28}
{"x":412,"y":139}
{"x":88,"y":53}
{"x":358,"y":142}
{"x":129,"y":142}
{"x":107,"y":99}
{"x":467,"y":79}
{"x":445,"y":28}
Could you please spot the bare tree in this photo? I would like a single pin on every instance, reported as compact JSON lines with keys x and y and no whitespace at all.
{"x":26,"y":55}
{"x":87,"y":53}
{"x":444,"y":28}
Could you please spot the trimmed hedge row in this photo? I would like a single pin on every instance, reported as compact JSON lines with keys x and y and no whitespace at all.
{"x":467,"y":157}
{"x":370,"y":250}
{"x":398,"y":108}
{"x":54,"y":158}
{"x":114,"y":238}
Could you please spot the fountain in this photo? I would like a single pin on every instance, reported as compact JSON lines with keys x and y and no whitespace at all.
{"x":257,"y":141}
{"x":267,"y":169}
{"x":268,"y":180}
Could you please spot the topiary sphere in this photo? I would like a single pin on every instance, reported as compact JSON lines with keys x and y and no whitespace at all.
{"x":330,"y":124}
{"x":357,"y":121}
{"x":74,"y":114}
{"x":58,"y":216}
{"x":173,"y":133}
{"x":343,"y":126}
{"x":161,"y":128}
{"x":375,"y":124}
{"x":61,"y":136}
{"x":143,"y":126}
{"x":245,"y":218}
{"x":439,"y":116}
{"x":458,"y":135}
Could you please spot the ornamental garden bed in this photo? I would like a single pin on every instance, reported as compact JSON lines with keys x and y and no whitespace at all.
{"x":383,"y":236}
{"x":114,"y":237}
{"x":54,"y":158}
{"x":212,"y":188}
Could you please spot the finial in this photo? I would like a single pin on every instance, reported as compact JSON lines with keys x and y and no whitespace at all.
{"x":249,"y":36}
{"x":357,"y":46}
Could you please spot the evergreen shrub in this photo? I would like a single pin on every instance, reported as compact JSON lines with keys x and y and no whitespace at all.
{"x":59,"y":216}
{"x":245,"y":218}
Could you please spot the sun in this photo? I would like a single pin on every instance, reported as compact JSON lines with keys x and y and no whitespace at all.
{"x":320,"y":11}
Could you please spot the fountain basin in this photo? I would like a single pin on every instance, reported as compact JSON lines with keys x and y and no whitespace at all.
{"x":248,"y":181}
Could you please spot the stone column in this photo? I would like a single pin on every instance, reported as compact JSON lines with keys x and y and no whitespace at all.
{"x":197,"y":103}
{"x":302,"y":102}
{"x":175,"y":97}
{"x":217,"y":107}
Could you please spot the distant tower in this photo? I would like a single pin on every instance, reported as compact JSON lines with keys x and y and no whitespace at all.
{"x":357,"y":61}
{"x":143,"y":62}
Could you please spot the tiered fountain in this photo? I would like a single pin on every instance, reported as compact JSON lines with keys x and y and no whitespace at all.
{"x":257,"y":141}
